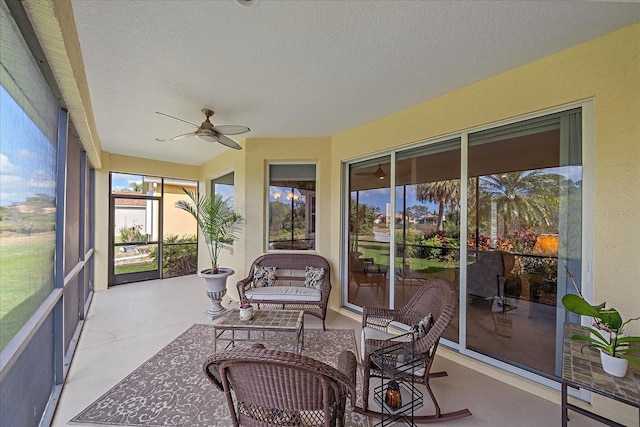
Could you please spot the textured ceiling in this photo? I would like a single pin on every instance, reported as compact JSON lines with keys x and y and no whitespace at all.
{"x":303,"y":68}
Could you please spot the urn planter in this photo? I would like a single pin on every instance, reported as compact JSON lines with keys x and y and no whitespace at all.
{"x":216,"y":290}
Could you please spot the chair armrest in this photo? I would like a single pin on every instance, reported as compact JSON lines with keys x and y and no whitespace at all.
{"x":377,"y":317}
{"x":243,"y":285}
{"x":347,"y":364}
{"x":212,"y":373}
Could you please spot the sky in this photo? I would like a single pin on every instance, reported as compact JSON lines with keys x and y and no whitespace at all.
{"x":381,"y":196}
{"x":27,"y":157}
{"x":122,"y":181}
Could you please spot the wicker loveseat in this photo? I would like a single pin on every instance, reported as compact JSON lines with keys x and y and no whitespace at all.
{"x":298,"y":281}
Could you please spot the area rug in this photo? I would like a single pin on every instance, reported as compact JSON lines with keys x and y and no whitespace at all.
{"x":170,"y":388}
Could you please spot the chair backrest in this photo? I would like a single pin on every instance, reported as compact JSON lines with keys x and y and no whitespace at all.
{"x":276,"y":388}
{"x":292,"y":266}
{"x":437,"y":297}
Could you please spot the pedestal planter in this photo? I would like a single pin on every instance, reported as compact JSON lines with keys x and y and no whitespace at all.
{"x":615,"y":366}
{"x":216,"y":290}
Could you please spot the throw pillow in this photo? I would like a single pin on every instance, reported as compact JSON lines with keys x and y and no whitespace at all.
{"x":264,"y":276}
{"x":313,"y":277}
{"x":423,"y":327}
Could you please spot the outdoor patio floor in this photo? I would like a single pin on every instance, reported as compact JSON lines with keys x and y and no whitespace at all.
{"x":128,"y":324}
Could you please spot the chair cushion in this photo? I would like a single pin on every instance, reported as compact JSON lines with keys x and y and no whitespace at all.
{"x":264,"y":276}
{"x":313,"y":277}
{"x":286,"y":293}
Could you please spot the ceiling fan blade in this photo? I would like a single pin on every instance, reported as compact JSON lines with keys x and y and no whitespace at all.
{"x":184,"y":135}
{"x":163,"y":114}
{"x":228,"y":142}
{"x":231,"y":129}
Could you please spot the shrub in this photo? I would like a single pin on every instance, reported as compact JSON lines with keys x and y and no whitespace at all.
{"x":180,"y":255}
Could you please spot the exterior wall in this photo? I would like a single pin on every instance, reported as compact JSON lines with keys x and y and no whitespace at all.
{"x":606,"y":70}
{"x":176,"y":221}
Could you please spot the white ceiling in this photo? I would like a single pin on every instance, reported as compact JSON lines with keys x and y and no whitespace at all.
{"x":303,"y":68}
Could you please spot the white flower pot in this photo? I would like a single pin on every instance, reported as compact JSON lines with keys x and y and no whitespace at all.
{"x":615,"y":366}
{"x":246,"y":313}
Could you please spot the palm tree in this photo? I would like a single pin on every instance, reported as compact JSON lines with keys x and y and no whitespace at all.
{"x":524,"y":198}
{"x":444,"y":193}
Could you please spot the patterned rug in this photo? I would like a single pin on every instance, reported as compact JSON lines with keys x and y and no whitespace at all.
{"x":170,"y":389}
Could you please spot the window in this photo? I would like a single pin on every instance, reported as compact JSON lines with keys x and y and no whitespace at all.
{"x":224,"y":186}
{"x":292,"y":207}
{"x":28,"y":150}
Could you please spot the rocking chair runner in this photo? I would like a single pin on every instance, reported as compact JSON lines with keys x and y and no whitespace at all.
{"x":276,"y":388}
{"x":438,"y":298}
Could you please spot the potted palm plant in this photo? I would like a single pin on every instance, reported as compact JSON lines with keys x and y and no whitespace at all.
{"x":219,"y":225}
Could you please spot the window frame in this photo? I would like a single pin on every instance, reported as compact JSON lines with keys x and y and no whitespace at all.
{"x":313,"y":202}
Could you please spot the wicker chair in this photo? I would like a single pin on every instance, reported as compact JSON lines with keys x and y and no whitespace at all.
{"x":438,"y":297}
{"x":276,"y":388}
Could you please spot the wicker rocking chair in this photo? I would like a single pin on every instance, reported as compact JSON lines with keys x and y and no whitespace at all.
{"x":437,"y":300}
{"x":278,"y":388}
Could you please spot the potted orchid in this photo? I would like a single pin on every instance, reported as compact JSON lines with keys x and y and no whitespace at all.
{"x":606,"y":334}
{"x":246,"y":309}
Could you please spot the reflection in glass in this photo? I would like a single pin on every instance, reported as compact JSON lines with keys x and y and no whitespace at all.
{"x":124,"y":184}
{"x":524,"y":222}
{"x":292,"y":206}
{"x":370,"y":218}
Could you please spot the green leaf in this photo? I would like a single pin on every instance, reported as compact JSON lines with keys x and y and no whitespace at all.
{"x":576,"y":304}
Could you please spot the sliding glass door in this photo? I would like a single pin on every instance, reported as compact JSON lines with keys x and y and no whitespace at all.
{"x":523,"y":233}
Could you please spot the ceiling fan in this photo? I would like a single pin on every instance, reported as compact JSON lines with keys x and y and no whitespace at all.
{"x":209,"y":133}
{"x":379,"y":173}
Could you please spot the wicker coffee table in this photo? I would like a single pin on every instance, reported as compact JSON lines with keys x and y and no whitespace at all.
{"x":227,"y":327}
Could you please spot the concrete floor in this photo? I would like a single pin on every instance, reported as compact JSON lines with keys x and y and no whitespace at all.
{"x":128,"y":324}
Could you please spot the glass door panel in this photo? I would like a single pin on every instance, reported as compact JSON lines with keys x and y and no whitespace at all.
{"x":427,"y":219}
{"x":370,"y":219}
{"x":135,"y":239}
{"x":524,"y":207}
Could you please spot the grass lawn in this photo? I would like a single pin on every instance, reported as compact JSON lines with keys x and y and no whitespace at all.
{"x":380,"y":254}
{"x":26,"y":269}
{"x":134,"y":268}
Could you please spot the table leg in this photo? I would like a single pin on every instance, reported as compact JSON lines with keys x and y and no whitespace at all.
{"x":301,"y":336}
{"x":565,"y":411}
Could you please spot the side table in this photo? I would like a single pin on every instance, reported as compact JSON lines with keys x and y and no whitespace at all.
{"x":584,"y":370}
